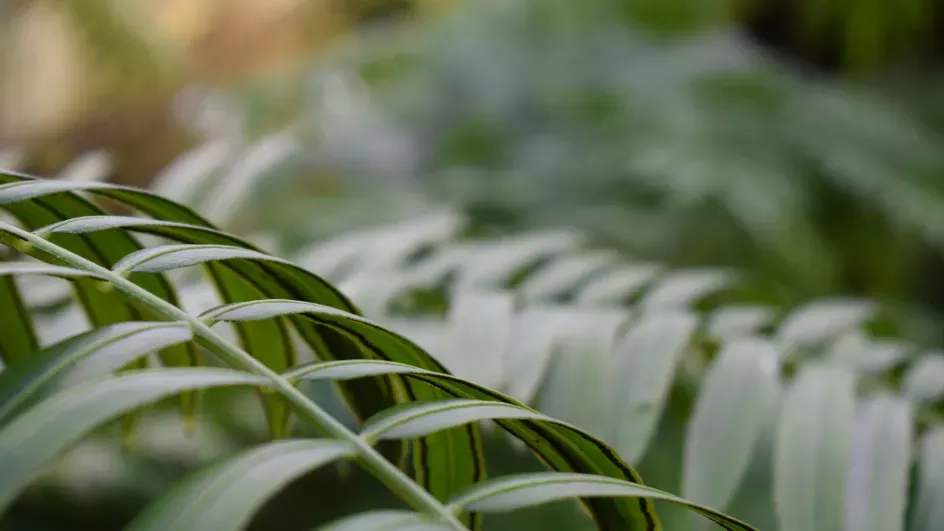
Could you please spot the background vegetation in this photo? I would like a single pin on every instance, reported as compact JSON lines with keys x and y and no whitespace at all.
{"x":723,"y":195}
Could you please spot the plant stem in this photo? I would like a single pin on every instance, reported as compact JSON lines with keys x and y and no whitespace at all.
{"x":385,"y":471}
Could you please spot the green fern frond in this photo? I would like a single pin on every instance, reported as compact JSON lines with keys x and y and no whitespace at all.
{"x":56,"y":396}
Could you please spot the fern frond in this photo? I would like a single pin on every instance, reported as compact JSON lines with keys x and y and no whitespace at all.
{"x":54,"y":397}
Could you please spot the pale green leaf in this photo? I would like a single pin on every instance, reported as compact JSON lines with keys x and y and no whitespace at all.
{"x":185,"y":178}
{"x":169,"y":257}
{"x":560,"y":446}
{"x":534,"y":332}
{"x":241,"y":183}
{"x":495,"y":264}
{"x":42,"y":432}
{"x":393,"y":246}
{"x":582,"y":359}
{"x":877,"y":485}
{"x":738,"y":396}
{"x":924,"y":381}
{"x":92,"y":354}
{"x":731,"y":322}
{"x":39,"y":268}
{"x":812,"y":449}
{"x":479,"y":334}
{"x":641,"y":375}
{"x":684,"y":288}
{"x":820,"y":321}
{"x":527,"y":490}
{"x":566,"y":273}
{"x":225,"y":497}
{"x":865,"y":355}
{"x":617,"y":285}
{"x":417,"y":419}
{"x":928,"y":511}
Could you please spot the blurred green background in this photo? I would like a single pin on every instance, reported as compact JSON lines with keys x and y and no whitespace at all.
{"x":797,"y":142}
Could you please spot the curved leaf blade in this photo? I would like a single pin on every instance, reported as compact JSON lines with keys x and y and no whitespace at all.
{"x":169,"y":257}
{"x":47,"y":205}
{"x":48,"y":428}
{"x":642,"y":374}
{"x":272,"y":278}
{"x":407,"y":421}
{"x":617,"y":285}
{"x":40,"y":268}
{"x":924,"y":381}
{"x":682,"y":289}
{"x":582,"y":359}
{"x":811,"y":451}
{"x":877,"y":485}
{"x":516,"y":492}
{"x":495,"y":265}
{"x":820,"y":321}
{"x":109,"y":348}
{"x":561,"y":446}
{"x":564,"y":274}
{"x":226,"y":496}
{"x":446,"y":461}
{"x":738,"y":395}
{"x":479,"y":333}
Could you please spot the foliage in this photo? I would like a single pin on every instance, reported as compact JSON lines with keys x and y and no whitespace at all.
{"x":807,"y":411}
{"x":565,"y":115}
{"x":55,"y":394}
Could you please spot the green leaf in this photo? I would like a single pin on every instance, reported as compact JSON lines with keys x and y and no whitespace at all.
{"x":226,"y":496}
{"x":877,"y":485}
{"x":618,"y":285}
{"x":351,"y":369}
{"x":46,"y":206}
{"x":737,"y":397}
{"x":560,"y":446}
{"x":564,"y":274}
{"x":40,"y":268}
{"x":187,"y":176}
{"x":17,"y":336}
{"x":641,"y":376}
{"x":385,"y":520}
{"x":928,"y":512}
{"x":42,"y":432}
{"x":924,"y":381}
{"x":169,"y":257}
{"x":534,"y":332}
{"x":527,"y":490}
{"x":446,"y":461}
{"x":408,"y":421}
{"x":684,"y":288}
{"x":374,"y":290}
{"x":866,"y":355}
{"x":811,"y":451}
{"x":267,"y":341}
{"x":496,"y":264}
{"x":479,"y":334}
{"x":815,"y":324}
{"x":100,"y":351}
{"x":273,"y":278}
{"x":583,"y":355}
{"x":732,"y":322}
{"x":384,"y":249}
